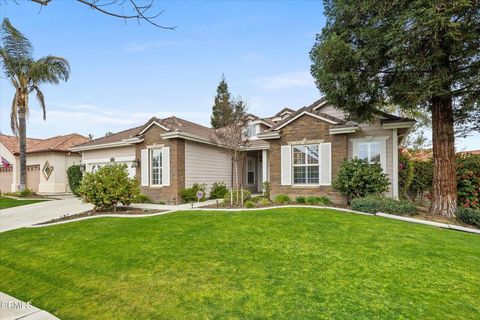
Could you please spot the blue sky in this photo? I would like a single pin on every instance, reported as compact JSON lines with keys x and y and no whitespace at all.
{"x":123,"y":74}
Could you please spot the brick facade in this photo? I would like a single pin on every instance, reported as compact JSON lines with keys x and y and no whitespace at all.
{"x":308,"y":128}
{"x":168,"y":194}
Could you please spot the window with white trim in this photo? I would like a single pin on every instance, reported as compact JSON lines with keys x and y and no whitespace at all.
{"x":252,"y":130}
{"x":369,"y":151}
{"x":305,"y":164}
{"x":156,"y":167}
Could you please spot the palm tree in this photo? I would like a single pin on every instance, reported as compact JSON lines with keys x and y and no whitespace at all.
{"x":26,"y":75}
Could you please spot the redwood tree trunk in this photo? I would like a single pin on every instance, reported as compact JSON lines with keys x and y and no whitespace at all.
{"x":22,"y":138}
{"x":444,"y":185}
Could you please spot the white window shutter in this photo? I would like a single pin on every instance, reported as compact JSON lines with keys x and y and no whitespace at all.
{"x":165,"y":166}
{"x":286,"y":165}
{"x":325,"y":150}
{"x":144,"y":167}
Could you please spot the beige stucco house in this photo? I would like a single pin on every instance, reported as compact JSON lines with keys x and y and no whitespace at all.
{"x":297,"y":151}
{"x":47,"y":163}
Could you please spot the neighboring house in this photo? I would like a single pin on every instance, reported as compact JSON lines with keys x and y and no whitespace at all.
{"x":47,"y":162}
{"x":298,"y":152}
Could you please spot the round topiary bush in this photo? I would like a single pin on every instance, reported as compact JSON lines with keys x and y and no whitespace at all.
{"x":357,"y":178}
{"x":109,"y":186}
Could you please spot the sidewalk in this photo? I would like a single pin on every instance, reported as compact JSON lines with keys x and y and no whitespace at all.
{"x":12,"y":309}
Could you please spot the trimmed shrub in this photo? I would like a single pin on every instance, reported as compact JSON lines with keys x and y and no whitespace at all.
{"x":264,"y":202}
{"x":469,"y":216}
{"x":74,"y":176}
{"x":266,"y":189}
{"x":318,"y":200}
{"x":257,"y":199}
{"x":26,"y":193}
{"x":141,"y":198}
{"x":190,"y":194}
{"x":374,"y":204}
{"x":218,"y":191}
{"x":300,"y":200}
{"x":249,"y":204}
{"x":109,"y":186}
{"x":357,"y":178}
{"x":468,"y":180}
{"x":282,"y":199}
{"x":247,"y":195}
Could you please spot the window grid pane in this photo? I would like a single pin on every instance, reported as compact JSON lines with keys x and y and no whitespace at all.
{"x":305,"y":164}
{"x":156,"y":166}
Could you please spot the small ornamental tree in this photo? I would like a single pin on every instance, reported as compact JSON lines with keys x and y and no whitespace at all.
{"x":109,"y":186}
{"x":357,"y":178}
{"x":74,"y":175}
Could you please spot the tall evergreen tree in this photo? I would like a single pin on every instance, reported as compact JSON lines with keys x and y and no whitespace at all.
{"x":420,"y":55}
{"x":222,"y":110}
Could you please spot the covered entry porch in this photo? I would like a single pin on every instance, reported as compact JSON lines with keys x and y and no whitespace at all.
{"x":255,"y":170}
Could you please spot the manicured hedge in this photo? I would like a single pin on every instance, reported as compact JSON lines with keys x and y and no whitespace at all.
{"x":469,"y":216}
{"x":374,"y":204}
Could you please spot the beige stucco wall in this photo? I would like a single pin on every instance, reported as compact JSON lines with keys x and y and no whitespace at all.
{"x":125,"y":154}
{"x":206,"y":164}
{"x":10,"y":158}
{"x":57,"y":182}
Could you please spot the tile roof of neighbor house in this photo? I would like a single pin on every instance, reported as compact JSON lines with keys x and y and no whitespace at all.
{"x":54,"y":144}
{"x":469,"y":152}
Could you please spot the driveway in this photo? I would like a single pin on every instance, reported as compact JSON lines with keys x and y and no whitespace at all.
{"x":27,"y":215}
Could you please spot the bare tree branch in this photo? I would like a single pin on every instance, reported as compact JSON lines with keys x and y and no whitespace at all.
{"x":140,"y":12}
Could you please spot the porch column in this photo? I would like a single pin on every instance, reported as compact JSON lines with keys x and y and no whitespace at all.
{"x":265,"y":165}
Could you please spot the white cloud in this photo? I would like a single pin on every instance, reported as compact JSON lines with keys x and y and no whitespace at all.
{"x":86,"y":118}
{"x":286,"y":80}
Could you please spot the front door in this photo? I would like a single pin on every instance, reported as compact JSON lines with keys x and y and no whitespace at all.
{"x":251,"y":172}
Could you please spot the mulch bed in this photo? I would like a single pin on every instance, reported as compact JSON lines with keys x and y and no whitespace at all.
{"x":119,"y":211}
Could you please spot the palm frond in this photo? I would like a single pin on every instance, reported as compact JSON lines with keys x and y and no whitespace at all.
{"x":14,"y":42}
{"x":49,"y":69}
{"x":13,"y":115}
{"x":41,"y":100}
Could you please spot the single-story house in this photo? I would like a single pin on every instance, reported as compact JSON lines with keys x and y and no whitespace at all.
{"x":297,"y":151}
{"x":47,"y":163}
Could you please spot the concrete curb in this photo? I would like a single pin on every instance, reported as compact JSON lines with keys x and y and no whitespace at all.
{"x":379,"y":214}
{"x":428,"y":223}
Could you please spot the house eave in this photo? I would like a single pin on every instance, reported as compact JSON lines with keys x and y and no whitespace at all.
{"x":186,"y":136}
{"x":343,"y":130}
{"x":398,"y":125}
{"x":269,"y":135}
{"x":122,"y":143}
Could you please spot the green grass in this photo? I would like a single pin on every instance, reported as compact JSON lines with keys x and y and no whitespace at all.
{"x":10,"y":203}
{"x":297,"y":263}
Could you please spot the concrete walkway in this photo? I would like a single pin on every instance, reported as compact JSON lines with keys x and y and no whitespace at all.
{"x":29,"y":215}
{"x":24,"y":216}
{"x":11,"y":309}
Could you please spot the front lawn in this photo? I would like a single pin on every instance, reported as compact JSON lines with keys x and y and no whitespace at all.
{"x":296,"y":263}
{"x":10,"y":202}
